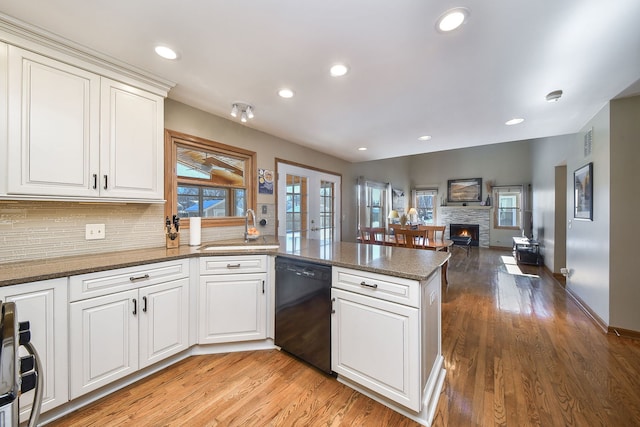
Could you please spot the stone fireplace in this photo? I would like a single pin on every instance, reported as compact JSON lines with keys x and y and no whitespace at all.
{"x":466,"y":230}
{"x":477,"y":215}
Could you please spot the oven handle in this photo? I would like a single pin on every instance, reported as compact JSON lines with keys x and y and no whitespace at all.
{"x":37,"y":395}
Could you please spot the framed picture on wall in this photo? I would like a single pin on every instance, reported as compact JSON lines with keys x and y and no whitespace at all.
{"x":397,"y":200}
{"x":464,"y":190}
{"x":583,"y":192}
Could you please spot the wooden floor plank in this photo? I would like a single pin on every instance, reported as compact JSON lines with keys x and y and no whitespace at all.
{"x":518,"y":352}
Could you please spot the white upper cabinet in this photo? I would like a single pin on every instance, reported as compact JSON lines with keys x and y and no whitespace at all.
{"x":131,"y":135}
{"x":77,"y":131}
{"x":54,"y":117}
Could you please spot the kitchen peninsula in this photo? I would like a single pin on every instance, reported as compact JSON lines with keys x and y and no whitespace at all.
{"x":400,"y":306}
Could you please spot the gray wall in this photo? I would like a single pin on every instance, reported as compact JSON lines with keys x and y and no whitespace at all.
{"x":183,"y":118}
{"x":625,"y":208}
{"x":500,"y":164}
{"x":503,"y":164}
{"x":546,"y":155}
{"x":587,"y":242}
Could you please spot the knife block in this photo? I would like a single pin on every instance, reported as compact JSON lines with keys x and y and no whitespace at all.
{"x":173,"y":240}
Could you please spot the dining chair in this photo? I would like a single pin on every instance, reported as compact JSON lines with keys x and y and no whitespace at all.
{"x":373,"y":235}
{"x":397,"y":238}
{"x":435,"y":233}
{"x":411,"y":238}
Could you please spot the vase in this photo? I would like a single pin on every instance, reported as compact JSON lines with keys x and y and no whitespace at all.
{"x":488,"y":201}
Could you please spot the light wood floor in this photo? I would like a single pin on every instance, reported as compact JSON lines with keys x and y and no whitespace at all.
{"x":517,"y":350}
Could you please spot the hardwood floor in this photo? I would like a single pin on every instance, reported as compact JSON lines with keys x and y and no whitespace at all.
{"x":517,"y":350}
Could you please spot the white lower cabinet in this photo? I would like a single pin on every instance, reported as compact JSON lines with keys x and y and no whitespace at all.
{"x":376,"y":344}
{"x":44,"y":305}
{"x":232,"y":300}
{"x":385,"y":336}
{"x":104,"y":341}
{"x":114,"y":335}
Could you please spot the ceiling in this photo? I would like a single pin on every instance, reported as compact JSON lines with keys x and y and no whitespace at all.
{"x":406,"y":79}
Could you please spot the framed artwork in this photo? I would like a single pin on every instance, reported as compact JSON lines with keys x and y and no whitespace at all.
{"x":583,"y":192}
{"x":464,"y":190}
{"x":397,"y":200}
{"x":265,"y":181}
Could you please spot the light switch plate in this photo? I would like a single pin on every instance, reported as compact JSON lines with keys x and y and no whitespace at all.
{"x":94,"y":231}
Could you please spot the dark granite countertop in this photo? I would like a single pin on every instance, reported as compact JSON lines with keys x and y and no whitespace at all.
{"x":400,"y":262}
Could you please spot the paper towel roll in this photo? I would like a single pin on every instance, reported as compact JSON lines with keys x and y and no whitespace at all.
{"x":194,"y":231}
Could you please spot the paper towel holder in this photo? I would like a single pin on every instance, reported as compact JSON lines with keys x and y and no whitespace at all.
{"x":195,"y":231}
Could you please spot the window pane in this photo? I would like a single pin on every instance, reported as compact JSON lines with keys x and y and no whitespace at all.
{"x":188,"y":201}
{"x":217,"y":168}
{"x":508,"y":208}
{"x":240,"y":202}
{"x":202,"y":201}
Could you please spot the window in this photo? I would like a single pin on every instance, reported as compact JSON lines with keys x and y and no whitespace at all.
{"x":207,"y":179}
{"x":508,"y":207}
{"x":425,"y":203}
{"x":373,"y":204}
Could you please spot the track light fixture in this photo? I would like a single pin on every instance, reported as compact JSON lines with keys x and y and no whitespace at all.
{"x":245,"y":111}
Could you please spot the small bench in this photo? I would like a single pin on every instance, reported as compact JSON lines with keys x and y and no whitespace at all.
{"x":463,"y":242}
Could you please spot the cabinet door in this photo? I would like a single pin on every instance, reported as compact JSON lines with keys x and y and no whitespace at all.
{"x":44,"y":305}
{"x":103,"y":340}
{"x":163,"y":320}
{"x":232,"y":308}
{"x":54,"y":113}
{"x":376,"y":344}
{"x":132,"y":147}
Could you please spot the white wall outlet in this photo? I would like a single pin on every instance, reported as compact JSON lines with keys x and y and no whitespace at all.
{"x":94,"y":232}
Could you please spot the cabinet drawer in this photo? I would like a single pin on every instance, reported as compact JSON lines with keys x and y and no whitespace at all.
{"x":233,"y":264}
{"x":106,"y":282}
{"x":388,"y":288}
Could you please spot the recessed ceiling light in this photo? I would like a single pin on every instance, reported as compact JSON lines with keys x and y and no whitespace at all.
{"x":424,"y":138}
{"x":452,"y":19}
{"x":166,"y":52}
{"x":554,"y":96}
{"x":514,"y":121}
{"x":362,"y":148}
{"x":339,"y":70}
{"x":285,"y":93}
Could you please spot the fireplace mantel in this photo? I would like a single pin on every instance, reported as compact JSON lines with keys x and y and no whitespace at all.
{"x":466,"y":207}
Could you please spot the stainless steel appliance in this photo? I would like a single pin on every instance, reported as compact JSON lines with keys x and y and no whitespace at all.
{"x":303,"y":311}
{"x":17,"y":374}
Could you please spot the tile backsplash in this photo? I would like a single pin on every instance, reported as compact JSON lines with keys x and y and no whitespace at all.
{"x":41,"y":230}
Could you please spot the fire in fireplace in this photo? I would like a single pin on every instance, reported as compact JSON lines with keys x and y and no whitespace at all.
{"x":466,"y":230}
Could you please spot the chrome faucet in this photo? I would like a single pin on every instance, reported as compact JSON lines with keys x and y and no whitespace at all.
{"x":246,"y":223}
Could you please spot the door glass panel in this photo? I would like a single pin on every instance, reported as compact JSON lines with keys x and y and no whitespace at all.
{"x":327,"y":200}
{"x":296,"y":209}
{"x":307,"y":205}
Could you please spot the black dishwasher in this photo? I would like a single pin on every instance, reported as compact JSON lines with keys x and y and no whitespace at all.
{"x":303,"y":311}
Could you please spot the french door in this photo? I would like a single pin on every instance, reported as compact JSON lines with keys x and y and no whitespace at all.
{"x":308,"y":204}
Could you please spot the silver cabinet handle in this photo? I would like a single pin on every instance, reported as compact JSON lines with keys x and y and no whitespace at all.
{"x":233,"y":265}
{"x":374,"y":286}
{"x":135,"y":279}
